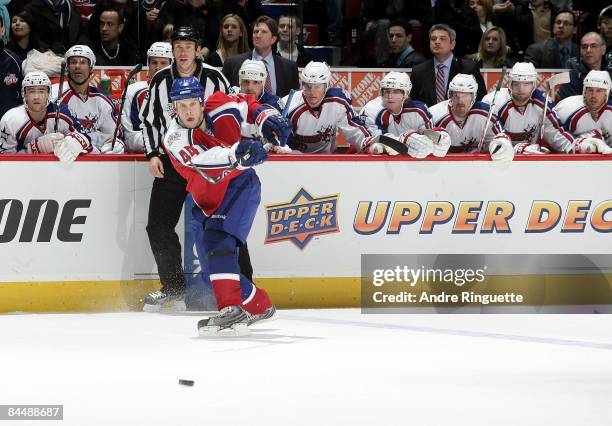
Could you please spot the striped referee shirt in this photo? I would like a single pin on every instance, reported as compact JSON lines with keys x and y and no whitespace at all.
{"x":157,"y":111}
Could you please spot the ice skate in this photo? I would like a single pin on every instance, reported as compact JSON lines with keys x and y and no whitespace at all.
{"x":231,"y":321}
{"x":161,"y":300}
{"x":267,"y":315}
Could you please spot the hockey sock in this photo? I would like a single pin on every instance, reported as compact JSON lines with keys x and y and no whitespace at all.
{"x":223,"y":266}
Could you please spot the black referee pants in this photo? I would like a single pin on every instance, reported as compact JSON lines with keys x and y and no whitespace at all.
{"x":165,"y":206}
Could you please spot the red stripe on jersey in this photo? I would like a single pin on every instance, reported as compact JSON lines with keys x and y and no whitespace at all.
{"x":421,"y":113}
{"x":577,"y":115}
{"x":140,"y":97}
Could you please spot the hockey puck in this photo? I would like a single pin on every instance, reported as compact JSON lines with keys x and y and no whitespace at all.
{"x":186,"y":382}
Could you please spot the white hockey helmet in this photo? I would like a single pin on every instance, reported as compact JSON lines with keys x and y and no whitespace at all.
{"x":397,"y":80}
{"x":82,"y":51}
{"x":252,"y":70}
{"x":523,"y":71}
{"x":463,"y":83}
{"x":316,"y":73}
{"x":160,"y":49}
{"x":599,"y":79}
{"x":35,"y":78}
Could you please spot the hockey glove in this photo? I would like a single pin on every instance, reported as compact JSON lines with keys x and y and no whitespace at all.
{"x":273,"y":127}
{"x":501,"y":148}
{"x":530,"y":149}
{"x":107,"y":148}
{"x":443,"y":143}
{"x":71,"y":146}
{"x":592,"y":146}
{"x":45,"y":144}
{"x":247,"y":153}
{"x":419,"y":146}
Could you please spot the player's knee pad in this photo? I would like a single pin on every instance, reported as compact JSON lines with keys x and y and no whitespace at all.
{"x":222,"y":252}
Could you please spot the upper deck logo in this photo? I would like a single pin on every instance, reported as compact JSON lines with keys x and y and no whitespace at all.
{"x":302,"y":218}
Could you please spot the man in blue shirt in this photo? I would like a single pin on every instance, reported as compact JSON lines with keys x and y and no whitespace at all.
{"x":402,"y":54}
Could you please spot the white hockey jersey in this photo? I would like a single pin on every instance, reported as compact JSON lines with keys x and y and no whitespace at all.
{"x":577,"y":119}
{"x":522,"y":125}
{"x":95,"y":112}
{"x":130,"y":119}
{"x":315,"y":129}
{"x":18,"y":130}
{"x":379,"y":120}
{"x":465,"y":136}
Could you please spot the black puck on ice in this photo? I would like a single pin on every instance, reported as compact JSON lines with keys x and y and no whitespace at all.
{"x":186,"y":382}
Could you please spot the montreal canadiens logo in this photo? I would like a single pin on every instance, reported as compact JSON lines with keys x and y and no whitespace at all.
{"x":10,"y":79}
{"x":302,"y":218}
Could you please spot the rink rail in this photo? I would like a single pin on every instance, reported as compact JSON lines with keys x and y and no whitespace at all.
{"x":72,"y":236}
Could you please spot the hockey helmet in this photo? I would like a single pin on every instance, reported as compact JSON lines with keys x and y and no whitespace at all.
{"x":186,"y":33}
{"x":186,"y":88}
{"x":160,"y":49}
{"x":35,"y":78}
{"x":82,"y":51}
{"x":463,"y":83}
{"x":316,"y":73}
{"x":599,"y":79}
{"x":397,"y":80}
{"x":523,"y":71}
{"x":252,"y":70}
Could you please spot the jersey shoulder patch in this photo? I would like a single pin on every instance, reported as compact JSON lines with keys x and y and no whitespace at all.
{"x":336,"y":92}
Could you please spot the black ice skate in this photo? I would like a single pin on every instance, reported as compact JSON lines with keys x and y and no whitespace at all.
{"x":267,"y":315}
{"x":231,"y":321}
{"x":158,"y":300}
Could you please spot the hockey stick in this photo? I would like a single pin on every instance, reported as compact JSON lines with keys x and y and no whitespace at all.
{"x":395,"y":145}
{"x":58,"y":101}
{"x":289,"y":98}
{"x":552,"y":83}
{"x":497,"y":89}
{"x":132,"y":73}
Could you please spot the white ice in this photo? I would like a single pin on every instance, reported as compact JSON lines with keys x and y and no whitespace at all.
{"x":312,"y":367}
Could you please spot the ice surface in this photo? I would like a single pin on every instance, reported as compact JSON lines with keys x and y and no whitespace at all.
{"x":312,"y":367}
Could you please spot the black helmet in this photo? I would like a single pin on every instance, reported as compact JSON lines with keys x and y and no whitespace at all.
{"x":186,"y":33}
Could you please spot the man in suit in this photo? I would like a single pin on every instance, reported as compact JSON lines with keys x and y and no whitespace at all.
{"x":430,"y":78}
{"x":282,"y":73}
{"x":555,"y":52}
{"x":403,"y":55}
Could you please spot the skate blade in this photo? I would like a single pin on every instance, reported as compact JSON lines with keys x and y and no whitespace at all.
{"x":265,"y":320}
{"x":236,"y":330}
{"x":151,"y":308}
{"x":173,"y":306}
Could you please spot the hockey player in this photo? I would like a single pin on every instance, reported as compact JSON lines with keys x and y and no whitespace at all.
{"x":317,"y":111}
{"x":520,"y":108}
{"x":159,"y":56}
{"x":30,"y":127}
{"x":252,"y":77}
{"x":92,"y":108}
{"x":223,"y":212}
{"x":464,"y":120}
{"x":588,"y":117}
{"x":394,"y":114}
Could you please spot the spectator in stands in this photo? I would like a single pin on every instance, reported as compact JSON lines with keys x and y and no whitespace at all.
{"x":555,"y":52}
{"x":290,"y":46}
{"x":493,"y":51}
{"x":232,"y":40}
{"x":527,"y":23}
{"x":130,"y":28}
{"x":23,"y":37}
{"x":151,"y":9}
{"x":604,"y":25}
{"x":430,"y":78}
{"x":60,"y":23}
{"x":114,"y":50}
{"x":282,"y":73}
{"x":202,"y":15}
{"x":403,"y":55}
{"x":10,"y":77}
{"x":592,"y":52}
{"x":484,"y":11}
{"x":459,"y":16}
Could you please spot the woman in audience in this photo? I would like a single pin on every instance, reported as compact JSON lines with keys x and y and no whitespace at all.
{"x":23,"y":39}
{"x":484,"y":10}
{"x":492,"y":51}
{"x":232,"y":40}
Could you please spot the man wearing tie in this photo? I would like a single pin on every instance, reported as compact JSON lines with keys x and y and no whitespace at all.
{"x":282,"y":74}
{"x":556,"y":51}
{"x":430,"y":78}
